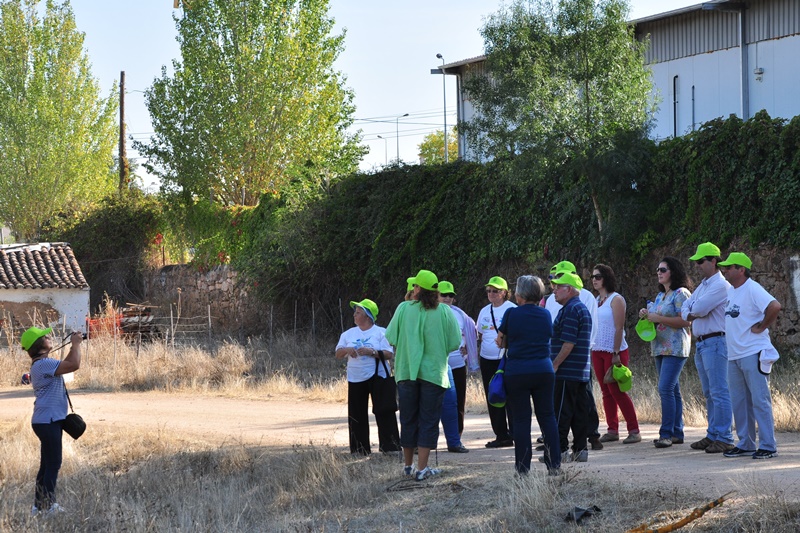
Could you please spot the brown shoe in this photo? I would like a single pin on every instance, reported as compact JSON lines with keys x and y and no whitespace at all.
{"x":633,"y":438}
{"x":702,"y":444}
{"x":596,"y":443}
{"x":718,"y":447}
{"x":610,"y":437}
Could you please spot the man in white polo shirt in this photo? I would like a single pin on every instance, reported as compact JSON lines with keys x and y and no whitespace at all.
{"x":750,"y":310}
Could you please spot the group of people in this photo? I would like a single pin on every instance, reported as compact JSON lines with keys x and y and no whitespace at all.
{"x":548,"y":347}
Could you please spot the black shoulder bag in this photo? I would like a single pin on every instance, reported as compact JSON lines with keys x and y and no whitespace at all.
{"x":73,"y":425}
{"x":384,"y":390}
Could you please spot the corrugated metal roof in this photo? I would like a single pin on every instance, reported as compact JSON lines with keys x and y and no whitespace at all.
{"x":40,"y":266}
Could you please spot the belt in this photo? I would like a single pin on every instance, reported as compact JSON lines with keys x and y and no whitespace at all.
{"x":701,"y":338}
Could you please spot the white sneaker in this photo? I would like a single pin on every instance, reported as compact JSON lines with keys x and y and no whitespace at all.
{"x":581,"y":457}
{"x":55,"y":509}
{"x":34,"y":511}
{"x":427,"y":472}
{"x":408,"y":470}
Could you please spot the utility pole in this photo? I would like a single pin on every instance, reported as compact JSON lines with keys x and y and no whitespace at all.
{"x":124,"y":169}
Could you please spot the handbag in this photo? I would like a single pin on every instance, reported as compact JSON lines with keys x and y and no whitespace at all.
{"x":73,"y":425}
{"x":608,"y":379}
{"x":384,"y":390}
{"x":496,"y":393}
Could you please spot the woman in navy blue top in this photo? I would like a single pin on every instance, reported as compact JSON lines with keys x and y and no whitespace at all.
{"x":49,"y":409}
{"x":526,"y":332}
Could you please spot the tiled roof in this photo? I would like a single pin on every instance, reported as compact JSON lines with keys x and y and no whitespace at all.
{"x":40,"y":266}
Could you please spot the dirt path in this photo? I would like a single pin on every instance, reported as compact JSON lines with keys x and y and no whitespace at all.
{"x":281,"y":423}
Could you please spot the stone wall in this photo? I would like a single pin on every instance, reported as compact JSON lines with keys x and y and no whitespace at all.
{"x":232,"y":310}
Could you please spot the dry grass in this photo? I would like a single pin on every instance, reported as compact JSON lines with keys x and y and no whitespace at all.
{"x":131,"y":480}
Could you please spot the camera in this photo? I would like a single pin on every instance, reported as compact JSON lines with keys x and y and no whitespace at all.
{"x":70,"y":335}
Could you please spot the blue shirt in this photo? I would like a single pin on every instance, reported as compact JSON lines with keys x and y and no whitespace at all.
{"x":528,"y":329}
{"x":573,"y":324}
{"x":51,"y":397}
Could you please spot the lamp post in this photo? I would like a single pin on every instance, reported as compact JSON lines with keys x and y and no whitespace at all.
{"x":385,"y":150}
{"x":397,"y":132}
{"x":444,"y":98}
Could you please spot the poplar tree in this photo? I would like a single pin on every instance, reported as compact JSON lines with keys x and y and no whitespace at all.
{"x":57,"y":134}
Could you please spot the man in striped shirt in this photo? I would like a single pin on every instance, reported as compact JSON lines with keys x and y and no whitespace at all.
{"x":569,"y":350}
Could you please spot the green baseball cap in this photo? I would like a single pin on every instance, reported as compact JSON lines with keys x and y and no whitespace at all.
{"x":737,"y":258}
{"x":707,"y":249}
{"x":425,"y":279}
{"x":622,"y":375}
{"x":370,"y":307}
{"x":498,"y":283}
{"x":646,"y":330}
{"x":568,"y":278}
{"x":563,"y":266}
{"x":32,"y":335}
{"x":445,"y":287}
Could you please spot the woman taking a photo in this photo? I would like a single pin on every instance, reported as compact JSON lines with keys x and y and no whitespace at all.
{"x":489,"y":321}
{"x":49,"y":409}
{"x":423,"y":333}
{"x":610,"y":348}
{"x":362,"y":345}
{"x":526,"y":332}
{"x":671,"y":346}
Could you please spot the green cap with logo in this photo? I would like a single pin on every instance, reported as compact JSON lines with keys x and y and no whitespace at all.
{"x":445,"y":287}
{"x":563,"y":266}
{"x":32,"y":335}
{"x":623,"y":376}
{"x":737,"y":258}
{"x":498,"y":283}
{"x":707,"y":249}
{"x":425,"y":279}
{"x":568,"y":278}
{"x":646,"y":330}
{"x":369,"y":307}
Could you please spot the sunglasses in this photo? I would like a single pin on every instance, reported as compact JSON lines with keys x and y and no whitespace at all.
{"x":448,"y":295}
{"x":597,"y":276}
{"x":662,"y":270}
{"x":492,"y":291}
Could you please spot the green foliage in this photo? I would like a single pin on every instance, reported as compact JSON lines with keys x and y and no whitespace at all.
{"x":114,"y":241}
{"x":431,"y":149}
{"x":56,"y":133}
{"x":253,"y":105}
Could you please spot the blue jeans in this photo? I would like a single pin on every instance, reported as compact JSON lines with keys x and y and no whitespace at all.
{"x":711,"y":360}
{"x":49,"y":465}
{"x":669,"y":388}
{"x":450,"y":413}
{"x":420,"y":411}
{"x":520,"y":388}
{"x":752,"y":404}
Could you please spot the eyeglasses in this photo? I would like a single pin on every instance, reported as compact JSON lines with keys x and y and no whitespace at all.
{"x":597,"y":276}
{"x":449,"y":295}
{"x":492,"y":291}
{"x":662,"y":270}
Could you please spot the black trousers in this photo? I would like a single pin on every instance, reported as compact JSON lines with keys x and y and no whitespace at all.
{"x":500,"y":417}
{"x":358,"y":395}
{"x":593,"y":432}
{"x":460,"y":377}
{"x":572,"y":408}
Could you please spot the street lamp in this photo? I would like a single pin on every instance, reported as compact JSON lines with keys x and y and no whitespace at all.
{"x":397,"y":131}
{"x":444,"y":97}
{"x":385,"y":150}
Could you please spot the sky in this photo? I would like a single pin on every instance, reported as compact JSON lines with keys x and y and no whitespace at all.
{"x":390,"y":49}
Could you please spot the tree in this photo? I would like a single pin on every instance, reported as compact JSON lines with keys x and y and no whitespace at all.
{"x":566,"y":79}
{"x":254,"y":105}
{"x":431,"y":149}
{"x":57,"y":134}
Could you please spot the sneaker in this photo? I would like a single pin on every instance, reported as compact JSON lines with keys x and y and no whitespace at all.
{"x":581,"y":457}
{"x":702,"y":444}
{"x":500,"y":443}
{"x":34,"y":511}
{"x":738,"y":452}
{"x":633,"y":438}
{"x":676,"y":440}
{"x":764,"y":454}
{"x":610,"y":437}
{"x":596,"y":444}
{"x":427,"y":472}
{"x":408,"y":471}
{"x":663,"y":443}
{"x":457,"y":449}
{"x":55,"y":509}
{"x":719,"y":447}
{"x":566,"y":457}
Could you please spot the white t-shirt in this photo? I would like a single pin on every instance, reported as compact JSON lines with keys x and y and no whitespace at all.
{"x":456,"y":359}
{"x":489,"y":349}
{"x":745,"y":308}
{"x":588,"y":300}
{"x":362,"y":367}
